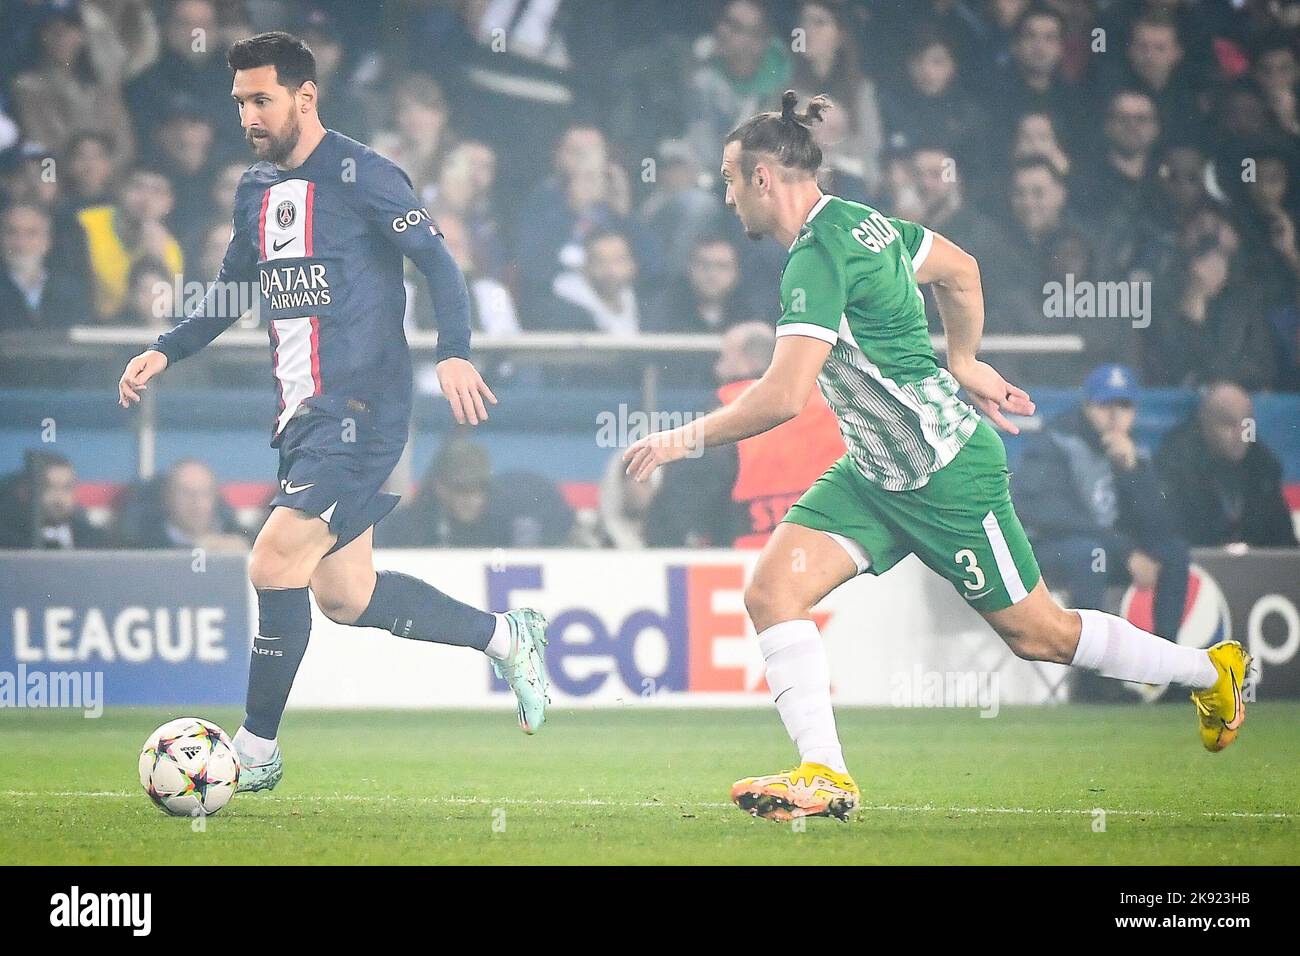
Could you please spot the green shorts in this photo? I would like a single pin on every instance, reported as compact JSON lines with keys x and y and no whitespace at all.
{"x":960,"y":524}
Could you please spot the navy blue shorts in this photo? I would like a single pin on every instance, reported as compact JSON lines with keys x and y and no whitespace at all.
{"x":334,"y":468}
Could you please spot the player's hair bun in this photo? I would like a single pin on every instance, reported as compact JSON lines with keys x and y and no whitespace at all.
{"x":818,"y":105}
{"x":785,"y":135}
{"x":789,"y":101}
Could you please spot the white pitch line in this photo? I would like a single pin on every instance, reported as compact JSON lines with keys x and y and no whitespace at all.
{"x":930,"y":808}
{"x":20,"y":794}
{"x":667,"y":805}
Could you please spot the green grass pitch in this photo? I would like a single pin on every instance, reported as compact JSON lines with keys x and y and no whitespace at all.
{"x":640,"y":785}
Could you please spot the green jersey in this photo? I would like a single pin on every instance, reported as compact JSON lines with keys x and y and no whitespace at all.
{"x":850,"y":280}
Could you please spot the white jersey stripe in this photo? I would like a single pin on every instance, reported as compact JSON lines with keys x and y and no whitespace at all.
{"x":285,"y":225}
{"x":930,"y":444}
{"x":856,"y":552}
{"x":809,"y":329}
{"x":1006,"y":564}
{"x":286,"y":222}
{"x":293,"y":364}
{"x":923,"y":250}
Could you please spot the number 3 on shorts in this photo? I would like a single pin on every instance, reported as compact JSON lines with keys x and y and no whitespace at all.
{"x":966,"y":557}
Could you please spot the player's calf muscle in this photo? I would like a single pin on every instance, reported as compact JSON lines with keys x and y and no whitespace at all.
{"x":344,"y":582}
{"x":342,"y":605}
{"x":1038,"y":629}
{"x":343,"y":598}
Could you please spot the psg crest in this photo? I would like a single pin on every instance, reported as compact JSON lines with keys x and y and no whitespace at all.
{"x":285,"y":213}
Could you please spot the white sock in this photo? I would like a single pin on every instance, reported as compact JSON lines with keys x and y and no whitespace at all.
{"x":800,"y":680}
{"x":1112,"y":647}
{"x":502,"y":642}
{"x":250,"y":745}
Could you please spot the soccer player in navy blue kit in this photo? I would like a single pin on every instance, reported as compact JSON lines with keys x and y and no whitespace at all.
{"x":322,"y":224}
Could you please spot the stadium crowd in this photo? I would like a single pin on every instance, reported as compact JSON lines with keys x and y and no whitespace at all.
{"x":1124,"y":170}
{"x":568,"y":149}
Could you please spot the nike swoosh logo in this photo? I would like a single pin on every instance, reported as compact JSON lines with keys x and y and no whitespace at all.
{"x":1239,"y":713}
{"x":289,"y":488}
{"x":277,"y":246}
{"x":971,"y":597}
{"x":261,"y":638}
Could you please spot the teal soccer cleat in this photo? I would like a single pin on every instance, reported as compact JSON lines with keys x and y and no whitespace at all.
{"x":260,"y":776}
{"x":525,"y":669}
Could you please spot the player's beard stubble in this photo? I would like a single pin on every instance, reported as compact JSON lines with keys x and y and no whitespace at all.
{"x":753,"y":231}
{"x":750,"y":231}
{"x":276,"y":148}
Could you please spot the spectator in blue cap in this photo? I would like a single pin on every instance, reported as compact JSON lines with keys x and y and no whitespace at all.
{"x":1092,"y":505}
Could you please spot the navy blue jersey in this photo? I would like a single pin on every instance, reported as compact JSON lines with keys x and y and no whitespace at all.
{"x":325,"y":243}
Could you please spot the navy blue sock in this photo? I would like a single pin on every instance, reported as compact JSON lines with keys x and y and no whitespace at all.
{"x":283,"y":627}
{"x":411,"y":608}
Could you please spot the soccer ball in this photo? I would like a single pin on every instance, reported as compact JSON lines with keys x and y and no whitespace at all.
{"x":189,"y":768}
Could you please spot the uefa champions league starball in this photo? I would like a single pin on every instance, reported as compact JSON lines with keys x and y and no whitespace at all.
{"x":189,"y":768}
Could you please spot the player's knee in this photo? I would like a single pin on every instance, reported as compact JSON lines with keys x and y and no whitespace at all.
{"x":265,"y":567}
{"x":757,"y":603}
{"x":769,"y":604}
{"x":273,"y":564}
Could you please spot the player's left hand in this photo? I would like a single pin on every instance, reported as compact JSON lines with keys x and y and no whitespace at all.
{"x":992,"y":394}
{"x":647,"y":454}
{"x":465,"y":390}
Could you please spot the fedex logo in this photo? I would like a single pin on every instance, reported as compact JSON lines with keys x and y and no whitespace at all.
{"x":698,"y":638}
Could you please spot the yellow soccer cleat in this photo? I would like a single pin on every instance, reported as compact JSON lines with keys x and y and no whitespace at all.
{"x":1221,"y":708}
{"x":809,"y":790}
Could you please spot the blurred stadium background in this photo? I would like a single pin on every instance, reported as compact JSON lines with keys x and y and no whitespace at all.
{"x":1125,"y":171}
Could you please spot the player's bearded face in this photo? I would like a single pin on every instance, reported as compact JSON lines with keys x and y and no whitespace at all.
{"x":741,"y":197}
{"x":744,"y":195}
{"x":748,"y":201}
{"x":275,"y":144}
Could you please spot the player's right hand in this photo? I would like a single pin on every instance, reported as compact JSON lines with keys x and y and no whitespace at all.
{"x":136,"y":377}
{"x":660,"y":448}
{"x":992,"y":394}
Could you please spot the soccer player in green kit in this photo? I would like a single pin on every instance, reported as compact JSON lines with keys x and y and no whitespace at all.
{"x":924,"y":473}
